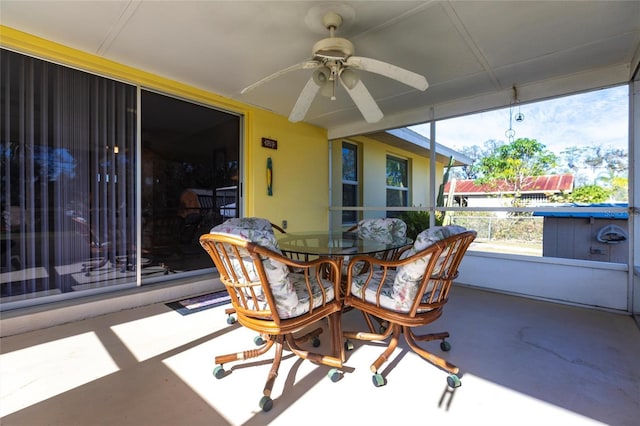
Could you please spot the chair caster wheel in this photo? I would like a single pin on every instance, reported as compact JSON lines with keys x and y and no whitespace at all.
{"x":445,"y":346}
{"x":378,"y":380}
{"x":266,"y":403}
{"x":454,"y":381}
{"x":219,"y":372}
{"x":231,"y":320}
{"x":348,"y":345}
{"x":258,"y":340}
{"x":334,"y":374}
{"x":315,"y":342}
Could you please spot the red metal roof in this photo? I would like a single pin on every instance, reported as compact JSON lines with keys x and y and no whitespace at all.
{"x":541,"y":184}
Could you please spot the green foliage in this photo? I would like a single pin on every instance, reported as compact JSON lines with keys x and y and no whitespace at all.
{"x":590,"y":194}
{"x":585,"y":194}
{"x":511,"y":165}
{"x":514,"y":162}
{"x":620,"y":188}
{"x":417,"y":221}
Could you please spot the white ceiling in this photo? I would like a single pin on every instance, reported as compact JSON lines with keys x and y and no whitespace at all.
{"x":471,"y":52}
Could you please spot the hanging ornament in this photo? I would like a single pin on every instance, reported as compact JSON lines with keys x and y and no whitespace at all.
{"x":519,"y":117}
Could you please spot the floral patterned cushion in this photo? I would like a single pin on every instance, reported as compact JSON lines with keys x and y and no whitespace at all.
{"x":256,"y":223}
{"x":277,"y":272}
{"x":300,"y":286}
{"x":289,"y":289}
{"x":387,"y":299}
{"x":384,"y":230}
{"x":408,"y":276}
{"x":435,"y":234}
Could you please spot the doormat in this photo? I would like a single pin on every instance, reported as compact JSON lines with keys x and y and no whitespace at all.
{"x":200,"y":303}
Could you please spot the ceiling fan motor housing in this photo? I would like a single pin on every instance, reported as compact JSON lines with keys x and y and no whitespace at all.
{"x":333,"y":48}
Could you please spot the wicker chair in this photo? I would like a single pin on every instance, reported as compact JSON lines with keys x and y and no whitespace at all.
{"x":275,"y":302}
{"x":407,"y":293}
{"x":250,"y":223}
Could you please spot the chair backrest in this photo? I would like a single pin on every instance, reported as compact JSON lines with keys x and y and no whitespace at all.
{"x":262,"y":283}
{"x":235,"y":250}
{"x":384,"y":230}
{"x":410,"y":280}
{"x":254,"y":223}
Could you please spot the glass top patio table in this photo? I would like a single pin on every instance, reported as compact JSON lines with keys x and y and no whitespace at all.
{"x":334,"y":243}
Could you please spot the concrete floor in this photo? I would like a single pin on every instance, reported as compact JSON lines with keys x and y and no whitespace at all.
{"x":524,"y":362}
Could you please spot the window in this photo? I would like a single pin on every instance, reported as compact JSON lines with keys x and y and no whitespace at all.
{"x":350,"y":190}
{"x":397,"y":184}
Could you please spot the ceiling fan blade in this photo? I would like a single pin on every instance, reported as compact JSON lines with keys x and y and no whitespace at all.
{"x":364,"y":101}
{"x":301,"y":66}
{"x":402,"y":75}
{"x":303,"y":103}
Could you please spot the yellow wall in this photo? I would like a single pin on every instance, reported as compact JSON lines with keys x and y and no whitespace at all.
{"x":300,"y":190}
{"x":372,"y":175}
{"x":300,"y":172}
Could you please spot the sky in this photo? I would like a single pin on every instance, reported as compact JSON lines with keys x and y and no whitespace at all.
{"x":595,"y":118}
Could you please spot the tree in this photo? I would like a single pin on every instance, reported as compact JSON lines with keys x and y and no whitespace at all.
{"x":512,"y":165}
{"x":475,"y":152}
{"x":587,"y":194}
{"x":597,"y":165}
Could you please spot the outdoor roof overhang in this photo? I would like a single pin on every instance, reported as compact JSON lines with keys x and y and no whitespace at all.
{"x":415,"y":143}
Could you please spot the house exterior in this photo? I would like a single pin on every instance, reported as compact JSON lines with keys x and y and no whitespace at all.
{"x":535,"y":191}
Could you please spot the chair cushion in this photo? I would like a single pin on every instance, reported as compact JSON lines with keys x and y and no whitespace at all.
{"x":303,"y":295}
{"x":256,"y":223}
{"x":387,"y":298}
{"x":384,"y":230}
{"x":409,"y":275}
{"x":435,"y":234}
{"x":277,"y":272}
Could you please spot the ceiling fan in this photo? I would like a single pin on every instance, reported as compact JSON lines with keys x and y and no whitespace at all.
{"x":333,"y":62}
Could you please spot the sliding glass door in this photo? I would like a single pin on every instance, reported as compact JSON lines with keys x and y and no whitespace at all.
{"x":190,"y":161}
{"x":67,"y":180}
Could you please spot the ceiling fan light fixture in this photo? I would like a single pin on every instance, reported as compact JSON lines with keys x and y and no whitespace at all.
{"x":349,"y":78}
{"x":321,"y":76}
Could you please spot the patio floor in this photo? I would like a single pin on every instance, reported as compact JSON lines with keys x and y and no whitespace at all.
{"x":524,"y":362}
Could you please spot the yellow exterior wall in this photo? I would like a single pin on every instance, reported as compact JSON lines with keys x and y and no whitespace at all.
{"x":372,"y":175}
{"x":300,"y":189}
{"x":300,"y":173}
